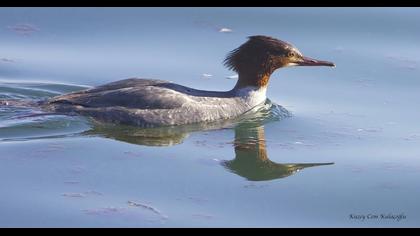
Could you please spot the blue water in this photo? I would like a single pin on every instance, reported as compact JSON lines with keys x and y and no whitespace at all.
{"x":348,"y":146}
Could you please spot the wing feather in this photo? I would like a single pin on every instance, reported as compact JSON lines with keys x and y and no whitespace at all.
{"x":129,"y":93}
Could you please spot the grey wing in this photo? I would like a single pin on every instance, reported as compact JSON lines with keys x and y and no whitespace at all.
{"x":129,"y":93}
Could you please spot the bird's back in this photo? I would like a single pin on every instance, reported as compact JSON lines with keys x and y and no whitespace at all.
{"x":129,"y":93}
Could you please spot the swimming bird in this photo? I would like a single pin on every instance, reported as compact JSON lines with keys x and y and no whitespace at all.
{"x":151,"y":102}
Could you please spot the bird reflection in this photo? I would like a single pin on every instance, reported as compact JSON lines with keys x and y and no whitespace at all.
{"x":251,"y":160}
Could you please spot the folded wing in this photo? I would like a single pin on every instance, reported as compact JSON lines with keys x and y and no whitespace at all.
{"x":129,"y":93}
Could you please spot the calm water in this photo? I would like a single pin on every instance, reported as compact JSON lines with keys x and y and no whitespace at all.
{"x":347,"y":146}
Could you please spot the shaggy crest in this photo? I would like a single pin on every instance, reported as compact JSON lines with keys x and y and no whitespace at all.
{"x":256,"y":52}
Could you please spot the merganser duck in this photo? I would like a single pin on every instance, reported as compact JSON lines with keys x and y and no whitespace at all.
{"x":151,"y":103}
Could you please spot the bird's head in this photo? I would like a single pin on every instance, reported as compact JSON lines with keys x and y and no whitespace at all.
{"x":260,"y":56}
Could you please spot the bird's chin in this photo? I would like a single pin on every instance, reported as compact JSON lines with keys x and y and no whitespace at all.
{"x":291,"y":64}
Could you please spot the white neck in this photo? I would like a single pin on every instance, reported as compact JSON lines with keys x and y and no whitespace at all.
{"x":252,"y":95}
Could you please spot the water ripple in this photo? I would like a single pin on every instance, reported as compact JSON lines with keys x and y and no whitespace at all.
{"x":25,"y":123}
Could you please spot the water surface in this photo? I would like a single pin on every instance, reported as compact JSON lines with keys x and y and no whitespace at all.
{"x":329,"y":146}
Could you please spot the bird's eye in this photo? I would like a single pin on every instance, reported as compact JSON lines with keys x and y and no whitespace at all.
{"x":290,"y":54}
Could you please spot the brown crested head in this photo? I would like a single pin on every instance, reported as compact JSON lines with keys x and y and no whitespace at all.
{"x":260,"y":56}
